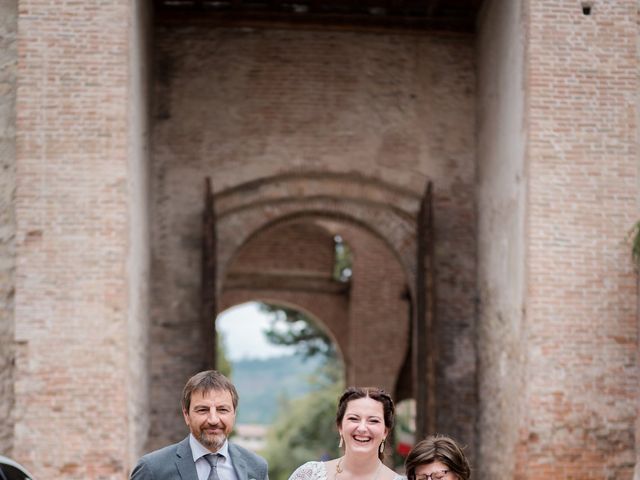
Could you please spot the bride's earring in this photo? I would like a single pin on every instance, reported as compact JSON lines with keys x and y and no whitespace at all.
{"x":381,"y":449}
{"x":341,"y":442}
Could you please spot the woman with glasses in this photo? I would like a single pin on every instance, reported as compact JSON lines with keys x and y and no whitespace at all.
{"x":437,"y":458}
{"x":364,"y":419}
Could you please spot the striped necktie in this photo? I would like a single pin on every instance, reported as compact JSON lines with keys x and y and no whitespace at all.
{"x":213,"y":458}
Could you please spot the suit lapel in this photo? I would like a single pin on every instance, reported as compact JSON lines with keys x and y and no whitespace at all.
{"x":184,"y":461}
{"x":239,"y":464}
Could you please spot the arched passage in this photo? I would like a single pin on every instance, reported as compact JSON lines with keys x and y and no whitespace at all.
{"x":291,"y":261}
{"x":365,"y":167}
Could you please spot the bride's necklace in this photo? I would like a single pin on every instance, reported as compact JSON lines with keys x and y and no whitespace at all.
{"x":339,"y":469}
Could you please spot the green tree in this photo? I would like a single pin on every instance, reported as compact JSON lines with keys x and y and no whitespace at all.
{"x":291,"y":327}
{"x":305,"y":427}
{"x":222,"y":360}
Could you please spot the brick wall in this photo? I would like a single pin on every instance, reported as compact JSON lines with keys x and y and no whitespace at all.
{"x":291,"y":263}
{"x":374,"y":307}
{"x":294,"y":124}
{"x":582,"y":382}
{"x":378,"y":312}
{"x":302,"y":248}
{"x":8,"y":65}
{"x":74,"y":209}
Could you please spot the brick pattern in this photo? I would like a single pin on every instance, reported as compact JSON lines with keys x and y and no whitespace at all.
{"x":295,"y":250}
{"x":302,"y":248}
{"x":72,"y":239}
{"x":375,"y":306}
{"x":294,"y":124}
{"x":378,"y":312}
{"x":8,"y":67}
{"x":582,"y":380}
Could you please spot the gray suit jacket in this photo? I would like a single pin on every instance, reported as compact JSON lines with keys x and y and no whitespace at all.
{"x":175,"y":462}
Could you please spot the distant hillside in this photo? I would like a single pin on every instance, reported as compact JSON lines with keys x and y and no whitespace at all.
{"x":261,"y":383}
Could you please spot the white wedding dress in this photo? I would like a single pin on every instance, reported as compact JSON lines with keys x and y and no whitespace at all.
{"x":318,"y":471}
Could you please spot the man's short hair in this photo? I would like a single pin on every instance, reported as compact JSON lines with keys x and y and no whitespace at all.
{"x":205,"y":382}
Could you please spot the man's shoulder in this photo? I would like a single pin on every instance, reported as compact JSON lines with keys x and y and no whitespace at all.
{"x":163,"y":453}
{"x":159,"y":463}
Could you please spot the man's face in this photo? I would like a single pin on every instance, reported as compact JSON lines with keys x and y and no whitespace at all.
{"x":211,"y":417}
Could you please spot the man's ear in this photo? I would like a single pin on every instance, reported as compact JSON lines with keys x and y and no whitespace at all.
{"x":185,"y":415}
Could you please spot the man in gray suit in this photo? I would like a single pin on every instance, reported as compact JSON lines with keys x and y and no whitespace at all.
{"x":209,"y":402}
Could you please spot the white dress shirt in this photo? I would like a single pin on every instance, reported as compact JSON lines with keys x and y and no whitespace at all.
{"x":224,"y":467}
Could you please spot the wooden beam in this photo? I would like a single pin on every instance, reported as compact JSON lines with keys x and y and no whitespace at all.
{"x":208,"y":304}
{"x":424,"y":346}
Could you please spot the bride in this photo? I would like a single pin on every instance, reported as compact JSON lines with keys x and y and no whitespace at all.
{"x":365,"y":417}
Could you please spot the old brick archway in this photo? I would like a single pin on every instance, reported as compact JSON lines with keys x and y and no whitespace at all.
{"x":286,"y":146}
{"x":291,"y":260}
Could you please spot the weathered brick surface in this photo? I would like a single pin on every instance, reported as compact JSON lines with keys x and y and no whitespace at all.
{"x":8,"y":66}
{"x":302,"y":248}
{"x":298,"y":255}
{"x":294,"y":124}
{"x":373,"y":308}
{"x":583,"y":169}
{"x":378,"y":312}
{"x":73,"y":205}
{"x":582,"y":382}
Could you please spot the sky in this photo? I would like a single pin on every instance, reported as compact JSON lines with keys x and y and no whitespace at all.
{"x":242,"y":328}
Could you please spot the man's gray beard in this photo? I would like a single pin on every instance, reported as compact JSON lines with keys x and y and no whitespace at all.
{"x":212,"y":442}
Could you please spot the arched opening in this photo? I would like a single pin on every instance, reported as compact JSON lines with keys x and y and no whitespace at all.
{"x":292,"y":261}
{"x":288,"y":371}
{"x":349,"y":278}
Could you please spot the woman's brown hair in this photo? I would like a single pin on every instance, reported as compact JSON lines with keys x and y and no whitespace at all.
{"x":438,"y":448}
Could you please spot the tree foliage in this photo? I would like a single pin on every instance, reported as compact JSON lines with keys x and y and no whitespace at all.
{"x":291,"y":327}
{"x":222,"y":360}
{"x":305,"y":427}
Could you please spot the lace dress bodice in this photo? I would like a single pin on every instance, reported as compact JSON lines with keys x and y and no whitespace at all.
{"x":318,"y":471}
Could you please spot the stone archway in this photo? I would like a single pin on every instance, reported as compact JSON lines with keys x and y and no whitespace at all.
{"x":231,"y":106}
{"x":291,"y":261}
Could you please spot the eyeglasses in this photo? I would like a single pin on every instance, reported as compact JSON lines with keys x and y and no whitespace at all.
{"x":439,"y":475}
